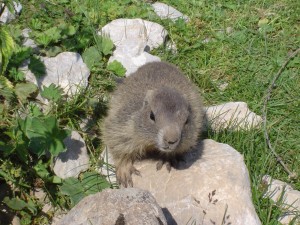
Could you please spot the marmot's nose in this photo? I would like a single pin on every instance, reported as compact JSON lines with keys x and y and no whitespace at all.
{"x":171,"y":136}
{"x":172,"y":142}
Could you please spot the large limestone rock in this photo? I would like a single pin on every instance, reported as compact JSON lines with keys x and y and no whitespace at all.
{"x":67,"y":70}
{"x":211,"y":187}
{"x":116,"y":207}
{"x":165,"y":11}
{"x":120,"y":30}
{"x":73,"y":161}
{"x":8,"y":16}
{"x":285,"y":196}
{"x":133,"y":38}
{"x":232,"y":115}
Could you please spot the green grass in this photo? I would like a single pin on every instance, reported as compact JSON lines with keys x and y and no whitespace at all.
{"x":247,"y":59}
{"x":263,"y":35}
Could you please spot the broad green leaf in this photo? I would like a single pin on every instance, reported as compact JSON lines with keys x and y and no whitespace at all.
{"x":74,"y":189}
{"x":22,"y":152}
{"x":7,"y":45}
{"x":35,"y":24}
{"x":19,"y":55}
{"x":31,"y":206}
{"x":44,"y":135}
{"x":48,"y":36}
{"x":6,"y":88}
{"x":117,"y":68}
{"x":106,"y":45}
{"x":6,"y":149}
{"x":37,"y":67}
{"x":90,"y":183}
{"x":91,"y":56}
{"x":41,"y":170}
{"x":18,"y":144}
{"x":15,"y":203}
{"x":54,"y":33}
{"x":19,"y":204}
{"x":39,"y":145}
{"x":70,"y":30}
{"x":93,"y":182}
{"x":16,"y":75}
{"x":53,"y":92}
{"x":56,"y":180}
{"x":43,"y":39}
{"x":53,"y":51}
{"x":25,"y":90}
{"x":34,"y":110}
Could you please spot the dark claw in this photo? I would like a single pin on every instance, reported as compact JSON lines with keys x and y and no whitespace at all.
{"x":159,"y":164}
{"x":169,"y":166}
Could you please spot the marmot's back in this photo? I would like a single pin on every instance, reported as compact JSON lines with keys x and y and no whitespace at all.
{"x":131,"y":93}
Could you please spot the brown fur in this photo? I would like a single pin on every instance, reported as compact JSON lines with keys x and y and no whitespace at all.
{"x":156,"y":108}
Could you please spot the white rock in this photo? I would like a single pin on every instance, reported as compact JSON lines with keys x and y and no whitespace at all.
{"x":132,"y":63}
{"x":131,"y":38}
{"x":136,"y":30}
{"x":232,"y":115}
{"x":27,"y":41}
{"x":286,"y":196}
{"x":172,"y":47}
{"x":67,"y":70}
{"x":165,"y":11}
{"x":116,"y":207}
{"x":229,"y":30}
{"x":73,"y":161}
{"x":8,"y":16}
{"x":223,"y":86}
{"x":211,"y":182}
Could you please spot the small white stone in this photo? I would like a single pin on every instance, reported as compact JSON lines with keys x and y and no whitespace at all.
{"x":165,"y":11}
{"x":73,"y":161}
{"x":232,"y":115}
{"x":223,"y":86}
{"x":132,"y":63}
{"x":131,"y":38}
{"x":67,"y":70}
{"x":27,"y":41}
{"x":8,"y":16}
{"x":283,"y":193}
{"x":229,"y":30}
{"x":136,"y":30}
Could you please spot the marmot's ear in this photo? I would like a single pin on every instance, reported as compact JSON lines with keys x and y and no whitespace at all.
{"x":148,"y":97}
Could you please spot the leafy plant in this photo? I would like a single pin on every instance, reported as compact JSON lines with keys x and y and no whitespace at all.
{"x":88,"y":183}
{"x":53,"y":92}
{"x":44,"y":135}
{"x":117,"y":68}
{"x":25,"y":90}
{"x":6,"y":48}
{"x":37,"y":67}
{"x":92,"y":56}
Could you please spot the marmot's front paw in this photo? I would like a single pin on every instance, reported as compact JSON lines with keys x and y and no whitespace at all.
{"x":124,"y":173}
{"x":170,"y":162}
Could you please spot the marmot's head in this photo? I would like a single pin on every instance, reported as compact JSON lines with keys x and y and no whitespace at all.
{"x":165,"y":118}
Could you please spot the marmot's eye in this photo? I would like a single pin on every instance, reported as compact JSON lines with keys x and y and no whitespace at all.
{"x":152,"y":117}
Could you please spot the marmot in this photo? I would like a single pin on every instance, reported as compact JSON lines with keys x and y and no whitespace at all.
{"x":154,"y":109}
